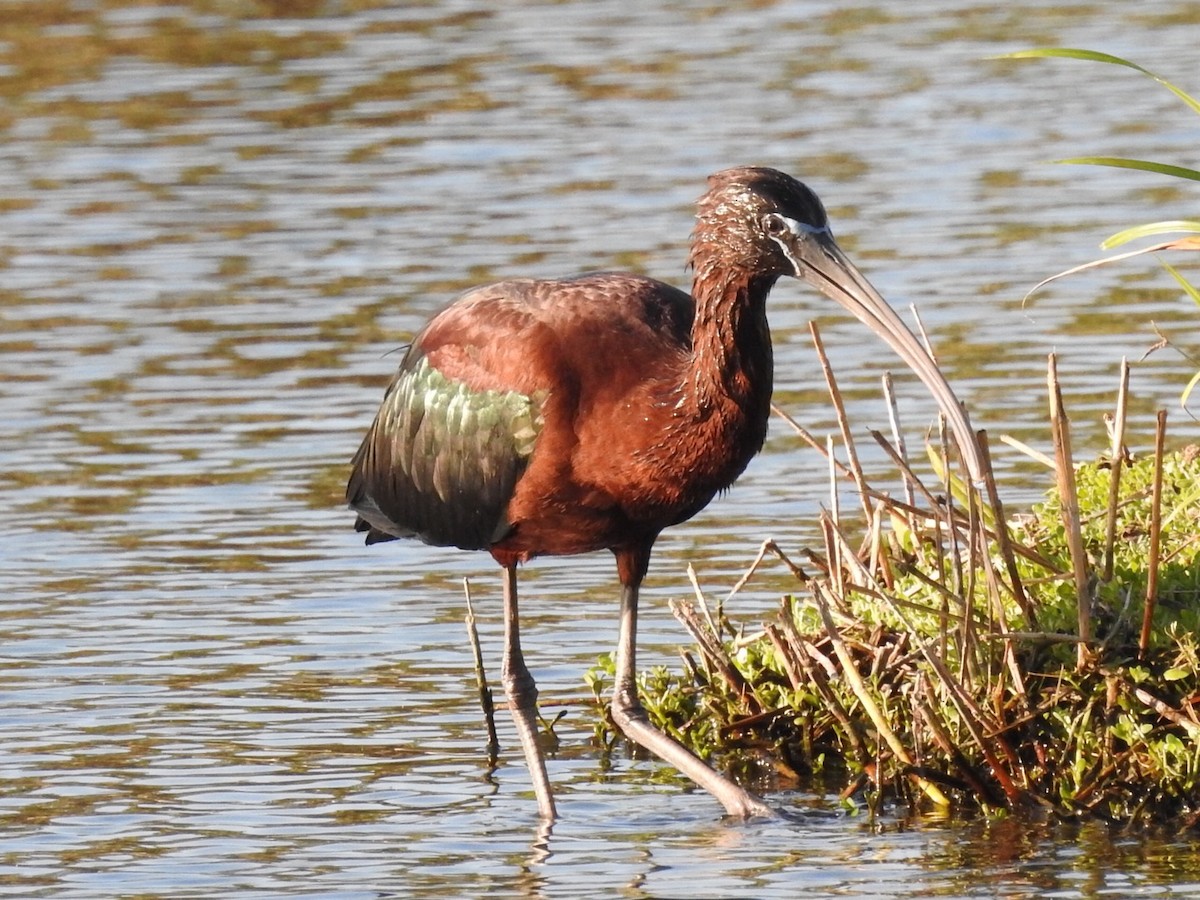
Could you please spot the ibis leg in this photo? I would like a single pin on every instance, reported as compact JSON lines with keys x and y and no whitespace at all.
{"x":521,"y":692}
{"x":630,"y":717}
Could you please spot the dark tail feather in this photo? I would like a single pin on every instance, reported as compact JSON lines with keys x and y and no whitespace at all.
{"x":374,"y":535}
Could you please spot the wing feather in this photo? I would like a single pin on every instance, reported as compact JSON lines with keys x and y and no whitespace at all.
{"x":441,"y":460}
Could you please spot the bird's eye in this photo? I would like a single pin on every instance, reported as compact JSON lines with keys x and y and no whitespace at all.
{"x":774,"y":225}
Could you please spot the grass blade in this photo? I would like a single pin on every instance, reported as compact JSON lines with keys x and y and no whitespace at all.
{"x":1190,"y":289}
{"x":1095,"y":56}
{"x":1174,"y":226}
{"x":1144,"y":165}
{"x":1187,"y":391}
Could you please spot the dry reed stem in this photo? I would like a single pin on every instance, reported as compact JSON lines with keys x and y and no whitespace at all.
{"x":1022,"y":447}
{"x":1152,"y":563}
{"x":924,"y":335}
{"x":878,"y":557}
{"x":955,"y":554}
{"x":485,"y":692}
{"x":808,"y":438}
{"x":946,"y":616}
{"x":714,"y":653}
{"x":1041,"y":637}
{"x":1168,"y":712}
{"x":1003,"y":538}
{"x":909,"y":476}
{"x":1118,"y":460}
{"x":1065,"y":472}
{"x":832,"y":548}
{"x":859,"y":688}
{"x":965,"y":579}
{"x":839,"y":409}
{"x":791,"y":661}
{"x":942,"y":738}
{"x":897,"y":434}
{"x":767,"y":546}
{"x":795,"y":656}
{"x":700,"y":598}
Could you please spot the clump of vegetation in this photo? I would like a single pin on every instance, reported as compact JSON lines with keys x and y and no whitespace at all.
{"x":948,"y":656}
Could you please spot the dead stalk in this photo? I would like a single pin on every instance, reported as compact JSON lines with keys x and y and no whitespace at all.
{"x":908,"y":474}
{"x":843,"y":423}
{"x":767,"y":546}
{"x":921,"y":331}
{"x":1003,"y":539}
{"x":710,"y":646}
{"x":1160,"y":436}
{"x":807,"y":437}
{"x":1064,"y":468}
{"x":1118,"y":460}
{"x":833,"y":551}
{"x":859,"y":688}
{"x":1168,"y":712}
{"x":485,"y":692}
{"x":700,"y":599}
{"x":955,"y":557}
{"x":898,"y":435}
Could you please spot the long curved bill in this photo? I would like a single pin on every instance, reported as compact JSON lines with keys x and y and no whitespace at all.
{"x":822,"y":263}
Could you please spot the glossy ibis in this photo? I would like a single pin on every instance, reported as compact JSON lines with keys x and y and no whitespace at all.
{"x":559,"y":417}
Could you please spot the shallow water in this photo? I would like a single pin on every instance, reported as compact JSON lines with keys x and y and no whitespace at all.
{"x":218,"y":220}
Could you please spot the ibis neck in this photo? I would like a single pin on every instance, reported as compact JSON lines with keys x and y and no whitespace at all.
{"x":731,"y":343}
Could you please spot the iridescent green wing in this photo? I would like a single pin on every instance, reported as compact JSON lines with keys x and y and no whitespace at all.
{"x":441,"y":460}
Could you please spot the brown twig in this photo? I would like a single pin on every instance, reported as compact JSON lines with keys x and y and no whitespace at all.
{"x":865,"y":698}
{"x":1064,"y":468}
{"x":1160,"y":435}
{"x":1118,"y":460}
{"x":485,"y":692}
{"x":710,"y":646}
{"x":839,"y":409}
{"x":807,"y":437}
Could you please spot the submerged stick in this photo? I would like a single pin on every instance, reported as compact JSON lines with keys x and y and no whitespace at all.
{"x":1160,"y":435}
{"x":485,"y":692}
